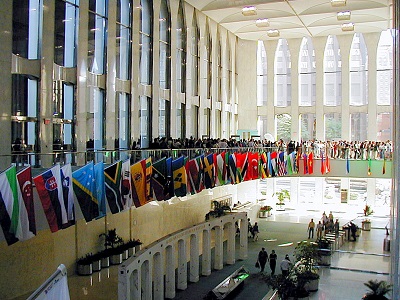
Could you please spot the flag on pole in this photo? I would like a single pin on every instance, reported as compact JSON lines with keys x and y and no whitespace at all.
{"x":25,"y":184}
{"x":194,"y":170}
{"x":274,"y":164}
{"x":384,"y":166}
{"x":139,"y":183}
{"x":68,"y":192}
{"x":305,"y":165}
{"x":49,"y":188}
{"x":169,"y":185}
{"x":100,"y":193}
{"x":208,"y":172}
{"x":220,"y":168}
{"x":323,"y":166}
{"x":112,"y":175}
{"x":369,"y":167}
{"x":84,"y":183}
{"x":281,"y":164}
{"x":13,"y":213}
{"x":310,"y":163}
{"x":263,"y":165}
{"x":148,"y":171}
{"x":252,"y":172}
{"x":347,"y":163}
{"x":126,"y":186}
{"x":232,"y":169}
{"x":159,"y":179}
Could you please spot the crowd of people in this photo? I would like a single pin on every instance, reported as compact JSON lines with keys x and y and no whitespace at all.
{"x":325,"y":225}
{"x":334,"y":149}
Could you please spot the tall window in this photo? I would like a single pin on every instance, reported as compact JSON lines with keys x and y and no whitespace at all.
{"x":332,"y":72}
{"x":384,"y":125}
{"x":63,"y":115}
{"x":262,"y":87}
{"x":307,"y":75}
{"x":282,"y":71}
{"x":97,"y":113}
{"x":24,"y":126}
{"x":208,"y":62}
{"x":165,"y":46}
{"x":384,"y":67}
{"x":145,"y":121}
{"x":66,"y":32}
{"x":181,"y":51}
{"x":333,"y":126}
{"x":359,"y":126}
{"x":229,"y":71}
{"x":219,"y":70}
{"x":123,"y":120}
{"x":97,"y":36}
{"x":283,"y":125}
{"x":195,"y":53}
{"x":307,"y":127}
{"x":358,"y":71}
{"x":27,"y":28}
{"x":195,"y":120}
{"x":146,"y":41}
{"x":124,"y":44}
{"x":180,"y":120}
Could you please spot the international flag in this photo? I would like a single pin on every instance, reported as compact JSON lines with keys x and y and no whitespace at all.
{"x":112,"y":176}
{"x":68,"y":192}
{"x":289,"y":164}
{"x":49,"y":188}
{"x":84,"y":183}
{"x":281,"y":164}
{"x":159,"y":179}
{"x":323,"y":164}
{"x":220,"y":169}
{"x":126,"y":186}
{"x":264,"y":173}
{"x":139,"y":183}
{"x":252,"y":172}
{"x":13,"y":213}
{"x":305,"y":165}
{"x":100,"y":193}
{"x":169,"y":185}
{"x":298,"y":156}
{"x":232,"y":169}
{"x":194,"y":170}
{"x":24,"y":178}
{"x":148,"y":171}
{"x":369,"y":172}
{"x":310,"y":163}
{"x":242,"y":164}
{"x":274,"y":163}
{"x":327,"y":165}
{"x":179,"y":176}
{"x":384,"y":166}
{"x":208,"y":172}
{"x":347,"y":164}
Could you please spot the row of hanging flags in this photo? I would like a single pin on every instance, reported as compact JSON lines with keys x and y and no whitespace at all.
{"x":120,"y":185}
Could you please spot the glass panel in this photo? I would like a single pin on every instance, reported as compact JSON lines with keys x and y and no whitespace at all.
{"x":308,"y":127}
{"x":262,"y":87}
{"x":331,"y":190}
{"x":165,"y":46}
{"x":306,"y":190}
{"x":283,"y":127}
{"x":332,"y":73}
{"x":358,"y":71}
{"x":358,"y":191}
{"x":282,"y":71}
{"x":181,"y":51}
{"x":385,"y":69}
{"x":359,"y":126}
{"x":164,"y":115}
{"x":333,"y":126}
{"x":97,"y":36}
{"x":145,"y":121}
{"x":123,"y":121}
{"x":307,"y":77}
{"x":146,"y":41}
{"x":195,"y":56}
{"x":384,"y":127}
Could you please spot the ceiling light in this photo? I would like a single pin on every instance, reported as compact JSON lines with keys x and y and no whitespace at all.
{"x":262,"y":23}
{"x":337,"y":3}
{"x":273,"y":33}
{"x":249,"y":11}
{"x":343,"y":15}
{"x":348,"y":27}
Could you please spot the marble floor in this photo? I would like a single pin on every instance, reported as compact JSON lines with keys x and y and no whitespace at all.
{"x":352,"y":265}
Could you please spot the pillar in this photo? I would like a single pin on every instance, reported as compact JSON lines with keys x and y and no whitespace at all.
{"x":194,"y":259}
{"x":158,"y":276}
{"x":147,"y":278}
{"x":244,"y":223}
{"x":169,"y":273}
{"x":206,"y":255}
{"x":182,"y":265}
{"x":135,"y":283}
{"x":231,"y":234}
{"x":219,"y":248}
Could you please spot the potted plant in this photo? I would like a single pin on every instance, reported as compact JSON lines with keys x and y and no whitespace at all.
{"x":378,"y":290}
{"x":133,"y":246}
{"x":265,"y":211}
{"x":218,"y":210}
{"x":325,"y":253}
{"x":288,"y":287}
{"x":282,"y":195}
{"x":366,"y":223}
{"x":84,"y":265}
{"x":112,"y":243}
{"x":96,"y":265}
{"x":307,"y":254}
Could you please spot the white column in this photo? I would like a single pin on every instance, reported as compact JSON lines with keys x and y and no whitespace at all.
{"x":158,"y":276}
{"x":206,"y":255}
{"x":182,"y":266}
{"x":231,"y":234}
{"x":194,"y":259}
{"x":136,"y":285}
{"x":219,"y":248}
{"x":169,"y":273}
{"x":371,"y":186}
{"x":147,"y":278}
{"x":270,"y":48}
{"x":319,"y":194}
{"x":319,"y":47}
{"x":294,"y":47}
{"x":244,"y":223}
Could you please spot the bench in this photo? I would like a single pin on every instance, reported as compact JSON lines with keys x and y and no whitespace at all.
{"x":229,"y":284}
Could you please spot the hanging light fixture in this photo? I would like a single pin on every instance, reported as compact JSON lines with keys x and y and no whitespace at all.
{"x":273,"y":33}
{"x":249,"y":11}
{"x":262,"y":23}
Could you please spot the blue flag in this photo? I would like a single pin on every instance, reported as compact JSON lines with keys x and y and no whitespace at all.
{"x":100,"y":188}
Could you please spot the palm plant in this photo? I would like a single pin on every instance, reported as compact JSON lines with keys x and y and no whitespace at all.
{"x":378,"y":290}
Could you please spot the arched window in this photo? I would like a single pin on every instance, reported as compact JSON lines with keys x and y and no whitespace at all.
{"x":124,"y":44}
{"x":358,"y":71}
{"x":332,"y":72}
{"x":164,"y":108}
{"x":384,"y":67}
{"x":195,"y":53}
{"x":262,"y":87}
{"x":229,"y":71}
{"x":307,"y":76}
{"x":282,"y":71}
{"x":219,"y":69}
{"x":208,"y":61}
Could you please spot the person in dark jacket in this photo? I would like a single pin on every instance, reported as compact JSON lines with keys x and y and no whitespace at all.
{"x":272,"y":262}
{"x":262,"y":258}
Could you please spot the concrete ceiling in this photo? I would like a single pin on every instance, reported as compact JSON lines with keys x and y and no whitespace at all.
{"x":296,"y":18}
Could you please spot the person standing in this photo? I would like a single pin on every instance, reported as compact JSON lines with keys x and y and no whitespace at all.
{"x":320,"y":228}
{"x":272,"y":262}
{"x":336,"y":228}
{"x":262,"y":258}
{"x":255,"y":232}
{"x":310,"y":229}
{"x":285,"y":265}
{"x":249,"y":228}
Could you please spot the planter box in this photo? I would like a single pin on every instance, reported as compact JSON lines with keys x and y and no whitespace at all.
{"x":131,"y":251}
{"x":325,"y":260}
{"x":366,"y":226}
{"x":312,"y":286}
{"x":280,"y":207}
{"x":116,"y":259}
{"x":96,"y":266}
{"x":84,"y":269}
{"x":125,"y":254}
{"x":105,"y":262}
{"x":263,"y":214}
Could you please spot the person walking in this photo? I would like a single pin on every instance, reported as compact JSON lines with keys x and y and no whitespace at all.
{"x":272,"y":262}
{"x":310,"y":229}
{"x":262,"y":258}
{"x":250,"y":228}
{"x":255,"y":232}
{"x":336,"y":228}
{"x":320,"y":228}
{"x":285,"y":265}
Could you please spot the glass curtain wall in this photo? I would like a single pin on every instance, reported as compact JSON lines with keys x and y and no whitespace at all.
{"x":307,"y":73}
{"x":181,"y":35}
{"x":124,"y":40}
{"x":332,"y":72}
{"x":282,"y":71}
{"x":195,"y":53}
{"x":208,"y":61}
{"x":358,"y":71}
{"x":262,"y":83}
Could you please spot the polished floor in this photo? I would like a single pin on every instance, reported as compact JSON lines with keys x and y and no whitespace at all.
{"x":352,"y":265}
